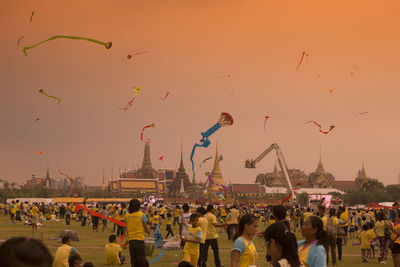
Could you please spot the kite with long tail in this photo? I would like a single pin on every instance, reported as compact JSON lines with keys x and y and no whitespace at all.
{"x":71,"y":180}
{"x":319,"y":126}
{"x":29,"y":126}
{"x":136,"y":89}
{"x":301,"y":60}
{"x":107,"y":45}
{"x":361,"y":113}
{"x":165,"y":97}
{"x":144,"y":128}
{"x":158,"y":241}
{"x":19,"y":39}
{"x":224,"y":120}
{"x":220,"y":185}
{"x":266,"y":118}
{"x":30,"y":20}
{"x":56,"y":98}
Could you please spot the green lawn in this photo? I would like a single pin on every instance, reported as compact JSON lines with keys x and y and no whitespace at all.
{"x":91,"y":245}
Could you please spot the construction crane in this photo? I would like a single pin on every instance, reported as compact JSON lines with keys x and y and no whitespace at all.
{"x":282,"y":163}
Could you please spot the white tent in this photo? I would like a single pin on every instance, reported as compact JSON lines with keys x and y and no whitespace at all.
{"x":31,"y":200}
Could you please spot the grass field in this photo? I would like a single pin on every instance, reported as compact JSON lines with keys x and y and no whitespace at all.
{"x":91,"y":245}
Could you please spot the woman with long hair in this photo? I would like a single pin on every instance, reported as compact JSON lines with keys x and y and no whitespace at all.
{"x":244,"y":252}
{"x":282,"y":246}
{"x":311,"y":250}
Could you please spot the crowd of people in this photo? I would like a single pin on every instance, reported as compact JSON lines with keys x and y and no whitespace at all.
{"x":324,"y":232}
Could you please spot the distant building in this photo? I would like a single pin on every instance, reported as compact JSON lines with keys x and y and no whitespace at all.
{"x":46,"y":182}
{"x":320,"y":178}
{"x":145,"y":179}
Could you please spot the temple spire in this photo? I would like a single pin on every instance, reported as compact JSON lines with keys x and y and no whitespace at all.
{"x":320,"y":168}
{"x":146,"y":171}
{"x":216,"y":168}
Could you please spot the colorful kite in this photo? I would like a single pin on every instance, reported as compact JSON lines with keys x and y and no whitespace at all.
{"x":330,"y":91}
{"x":144,"y":128}
{"x":161,"y":158}
{"x":165,"y":97}
{"x":29,"y":126}
{"x":220,"y":196}
{"x":37,"y":152}
{"x":71,"y":180}
{"x":286,"y":199}
{"x":129,"y":56}
{"x":19,"y":39}
{"x":301,"y":60}
{"x":30,"y":20}
{"x":107,"y":45}
{"x":224,"y":120}
{"x":205,"y":160}
{"x":56,"y":98}
{"x":129,"y":105}
{"x":266,"y":118}
{"x":362,"y":113}
{"x":319,"y":126}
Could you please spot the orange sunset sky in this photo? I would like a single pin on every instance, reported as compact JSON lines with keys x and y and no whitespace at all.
{"x":190,"y":42}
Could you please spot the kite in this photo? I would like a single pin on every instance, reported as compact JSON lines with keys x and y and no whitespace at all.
{"x":161,"y":158}
{"x":37,"y":152}
{"x":141,"y":52}
{"x":354,"y":66}
{"x":351,"y":73}
{"x":158,"y":240}
{"x":56,"y":98}
{"x":144,"y":128}
{"x":212,"y":182}
{"x":29,"y":126}
{"x":220,"y":196}
{"x":70,"y":179}
{"x":165,"y":97}
{"x":380,"y":206}
{"x":136,"y":89}
{"x":30,"y":20}
{"x":19,"y":39}
{"x":319,"y":125}
{"x":330,"y":91}
{"x":205,"y":160}
{"x":266,"y":118}
{"x":362,"y":113}
{"x":107,"y":45}
{"x":129,"y":56}
{"x":51,"y":119}
{"x":224,"y":120}
{"x":318,"y":76}
{"x":286,"y":199}
{"x":223,"y":76}
{"x":301,"y":60}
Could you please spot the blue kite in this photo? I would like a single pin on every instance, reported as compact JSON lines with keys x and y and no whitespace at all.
{"x":224,"y":120}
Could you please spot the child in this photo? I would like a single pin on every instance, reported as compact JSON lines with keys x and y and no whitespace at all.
{"x":191,"y":250}
{"x":372,"y":236}
{"x":365,"y":242}
{"x":168,"y":228}
{"x":113,"y":252}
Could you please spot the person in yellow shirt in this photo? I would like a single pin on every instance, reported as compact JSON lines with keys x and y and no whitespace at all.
{"x":64,"y":252}
{"x":372,"y":236}
{"x":35,"y":216}
{"x":203,"y":224}
{"x":211,"y":236}
{"x":168,"y":227}
{"x":177,"y":214}
{"x":234,"y":220}
{"x":244,"y":253}
{"x":156,"y":220}
{"x":365,"y":240}
{"x":113,"y":252}
{"x":161,"y":211}
{"x":192,"y":241}
{"x":137,"y":224}
{"x":18,"y":210}
{"x":13,"y":211}
{"x":380,"y":227}
{"x":344,"y":216}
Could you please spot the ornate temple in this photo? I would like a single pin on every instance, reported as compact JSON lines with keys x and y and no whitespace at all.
{"x":181,"y":177}
{"x":216,"y":177}
{"x":320,"y":178}
{"x":145,"y":179}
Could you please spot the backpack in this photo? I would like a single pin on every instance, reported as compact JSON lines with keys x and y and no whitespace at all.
{"x":330,"y":228}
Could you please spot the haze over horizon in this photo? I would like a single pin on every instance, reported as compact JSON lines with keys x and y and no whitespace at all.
{"x":193,"y":46}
